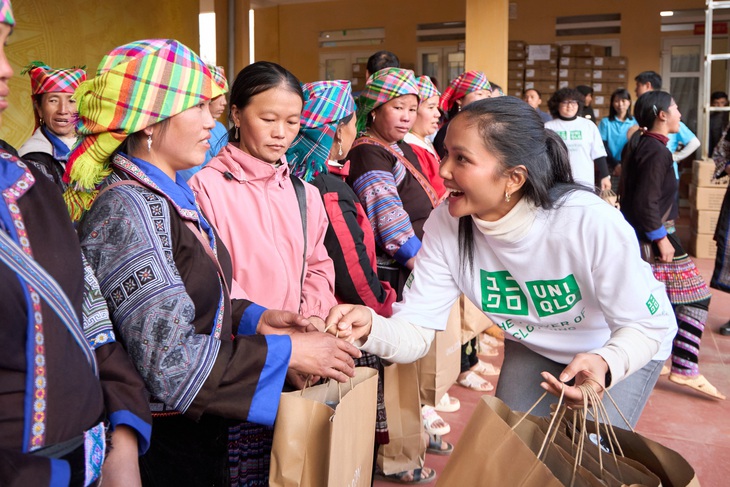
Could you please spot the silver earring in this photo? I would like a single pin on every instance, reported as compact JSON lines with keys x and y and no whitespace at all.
{"x":149,"y":143}
{"x":507,"y":196}
{"x":339,"y":152}
{"x":236,"y":134}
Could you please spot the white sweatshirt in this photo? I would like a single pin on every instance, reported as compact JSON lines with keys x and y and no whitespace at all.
{"x":560,"y":281}
{"x":584,"y":143}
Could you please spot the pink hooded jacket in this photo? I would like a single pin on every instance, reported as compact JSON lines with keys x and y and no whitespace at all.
{"x":253,"y":206}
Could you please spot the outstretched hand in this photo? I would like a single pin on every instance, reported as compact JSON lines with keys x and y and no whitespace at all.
{"x":349,"y":321}
{"x":323,"y":355}
{"x":278,"y":322}
{"x":585,"y":368}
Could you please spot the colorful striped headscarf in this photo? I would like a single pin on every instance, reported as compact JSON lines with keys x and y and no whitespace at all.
{"x":44,"y":79}
{"x":219,"y":76}
{"x":327,"y":102}
{"x":463,"y":85}
{"x":6,"y":13}
{"x":137,"y":85}
{"x":381,"y":87}
{"x":426,"y":88}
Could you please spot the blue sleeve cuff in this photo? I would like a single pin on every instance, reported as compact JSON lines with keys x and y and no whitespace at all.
{"x":408,"y":250}
{"x":60,"y":473}
{"x":127,"y":418}
{"x":660,"y":232}
{"x":265,"y":402}
{"x":250,"y":319}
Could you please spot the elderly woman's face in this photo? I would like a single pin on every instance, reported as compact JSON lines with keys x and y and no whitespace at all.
{"x":395,"y":118}
{"x":57,"y":112}
{"x":6,"y":71}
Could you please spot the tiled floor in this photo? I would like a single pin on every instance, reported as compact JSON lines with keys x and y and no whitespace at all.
{"x":691,"y":423}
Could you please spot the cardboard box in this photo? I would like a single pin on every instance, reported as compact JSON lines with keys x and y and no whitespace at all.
{"x":543,"y":87}
{"x":358,"y":83}
{"x":607,"y":88}
{"x":516,"y":45}
{"x":702,"y":245}
{"x":565,"y":83}
{"x":610,"y":62}
{"x":358,"y":69}
{"x":515,"y":55}
{"x":546,"y":74}
{"x":516,"y":83}
{"x":702,"y":171}
{"x":601,"y":101}
{"x":542,"y":51}
{"x":703,"y":221}
{"x":600,"y":112}
{"x":703,"y":198}
{"x":580,"y":76}
{"x":514,"y":92}
{"x":515,"y":73}
{"x":576,"y":50}
{"x":512,"y":65}
{"x":542,"y":63}
{"x":576,"y":62}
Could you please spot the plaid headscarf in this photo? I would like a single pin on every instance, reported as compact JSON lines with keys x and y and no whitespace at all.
{"x":381,"y":87}
{"x":463,"y":85}
{"x":6,"y":13}
{"x":44,"y":79}
{"x":136,"y":86}
{"x":327,"y":102}
{"x":426,"y":88}
{"x":219,"y":77}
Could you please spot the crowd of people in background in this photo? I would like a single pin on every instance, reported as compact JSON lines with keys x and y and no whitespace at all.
{"x":179,"y":251}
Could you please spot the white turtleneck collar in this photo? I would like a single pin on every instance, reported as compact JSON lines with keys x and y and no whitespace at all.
{"x":513,"y":226}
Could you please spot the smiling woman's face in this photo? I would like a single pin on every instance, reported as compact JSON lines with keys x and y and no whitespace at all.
{"x":6,"y":71}
{"x":58,"y":111}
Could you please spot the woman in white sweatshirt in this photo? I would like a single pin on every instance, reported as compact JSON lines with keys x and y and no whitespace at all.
{"x":553,"y":265}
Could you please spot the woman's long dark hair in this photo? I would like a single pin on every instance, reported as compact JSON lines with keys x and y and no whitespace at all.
{"x":516,"y":135}
{"x":257,"y":78}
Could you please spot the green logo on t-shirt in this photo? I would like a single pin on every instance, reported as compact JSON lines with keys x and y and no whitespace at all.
{"x":554,"y":296}
{"x":502,"y":294}
{"x":563,"y":134}
{"x":652,"y":304}
{"x":576,"y":135}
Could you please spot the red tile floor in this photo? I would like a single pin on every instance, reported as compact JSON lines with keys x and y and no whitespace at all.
{"x":696,"y":426}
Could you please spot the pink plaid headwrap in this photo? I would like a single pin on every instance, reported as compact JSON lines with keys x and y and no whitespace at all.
{"x":219,"y":77}
{"x":463,"y":85}
{"x":426,"y":88}
{"x":44,"y":79}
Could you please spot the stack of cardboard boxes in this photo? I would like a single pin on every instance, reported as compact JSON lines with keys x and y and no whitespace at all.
{"x":705,"y":199}
{"x":515,"y":68}
{"x":541,"y":70}
{"x":549,"y":67}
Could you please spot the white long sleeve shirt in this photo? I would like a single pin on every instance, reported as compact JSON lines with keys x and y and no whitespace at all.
{"x":560,"y":281}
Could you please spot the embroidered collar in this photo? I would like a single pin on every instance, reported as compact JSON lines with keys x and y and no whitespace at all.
{"x":16,"y":178}
{"x":177,"y":192}
{"x":61,"y":150}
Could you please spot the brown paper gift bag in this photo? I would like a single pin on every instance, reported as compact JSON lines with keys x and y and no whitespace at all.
{"x":440,"y":367}
{"x":473,"y":320}
{"x":489,"y":452}
{"x":671,"y":468}
{"x":405,"y":423}
{"x":315,"y":445}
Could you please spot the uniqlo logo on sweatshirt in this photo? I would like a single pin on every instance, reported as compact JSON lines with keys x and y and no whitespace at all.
{"x":554,"y":296}
{"x":501,"y":294}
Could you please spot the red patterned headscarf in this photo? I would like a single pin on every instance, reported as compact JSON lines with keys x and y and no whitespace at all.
{"x":463,"y":85}
{"x":44,"y":79}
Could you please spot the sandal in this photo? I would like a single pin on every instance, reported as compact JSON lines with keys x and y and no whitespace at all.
{"x":698,"y":383}
{"x":447,"y":404}
{"x":431,"y":419}
{"x":409,"y":477}
{"x":437,"y":446}
{"x":476,"y":383}
{"x":485,"y":368}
